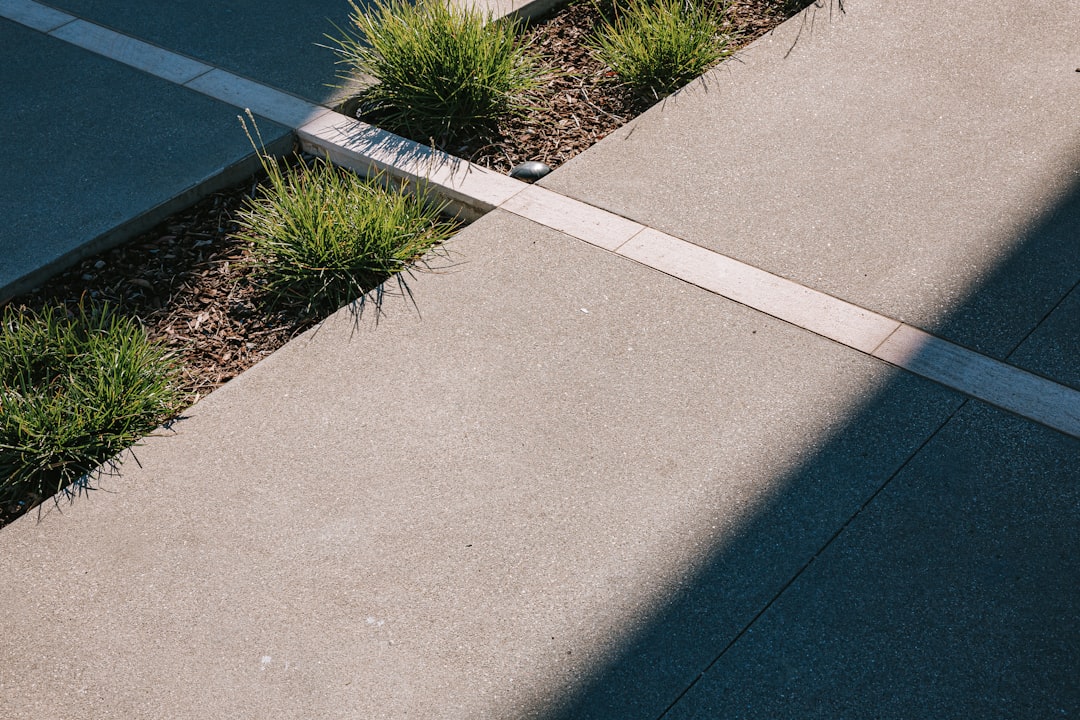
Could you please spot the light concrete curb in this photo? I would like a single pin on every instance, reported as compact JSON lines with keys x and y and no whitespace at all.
{"x":131,"y":51}
{"x":34,"y":15}
{"x":469,"y":190}
{"x":977,"y":375}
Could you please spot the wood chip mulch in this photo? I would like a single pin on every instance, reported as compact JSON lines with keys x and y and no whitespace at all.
{"x":581,"y":103}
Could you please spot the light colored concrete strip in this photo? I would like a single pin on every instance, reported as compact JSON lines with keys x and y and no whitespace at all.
{"x":136,"y":53}
{"x":809,"y":309}
{"x":992,"y":381}
{"x":34,"y":15}
{"x":572,"y":217}
{"x":220,"y":84}
{"x":914,"y":350}
{"x":260,"y":99}
{"x":470,"y":189}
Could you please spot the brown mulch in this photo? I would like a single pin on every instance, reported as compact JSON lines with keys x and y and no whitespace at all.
{"x":187,"y":280}
{"x":580,"y":102}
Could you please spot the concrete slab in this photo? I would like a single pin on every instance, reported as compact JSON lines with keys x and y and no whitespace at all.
{"x":953,"y":595}
{"x":564,"y":464}
{"x":1053,"y":349}
{"x":75,"y":176}
{"x":910,"y":158}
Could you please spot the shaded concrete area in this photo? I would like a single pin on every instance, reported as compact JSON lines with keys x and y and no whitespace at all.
{"x":1053,"y":347}
{"x":97,"y":152}
{"x":951,"y":596}
{"x":276,"y":43}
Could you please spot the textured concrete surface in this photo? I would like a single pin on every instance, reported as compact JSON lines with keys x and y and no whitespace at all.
{"x":952,"y":596}
{"x":92,"y":146}
{"x":276,"y":43}
{"x":468,"y":513}
{"x":895,"y":155}
{"x":1053,"y":349}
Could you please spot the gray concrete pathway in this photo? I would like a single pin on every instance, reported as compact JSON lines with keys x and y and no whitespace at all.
{"x":573,"y":486}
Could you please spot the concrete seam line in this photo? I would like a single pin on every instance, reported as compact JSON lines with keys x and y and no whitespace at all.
{"x":618,"y":250}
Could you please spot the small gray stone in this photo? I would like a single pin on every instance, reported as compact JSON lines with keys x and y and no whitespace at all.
{"x":530,"y":171}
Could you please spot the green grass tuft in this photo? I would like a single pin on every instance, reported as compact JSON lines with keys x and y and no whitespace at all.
{"x":657,"y":46}
{"x":321,"y":236}
{"x":443,"y":72}
{"x":74,"y":393}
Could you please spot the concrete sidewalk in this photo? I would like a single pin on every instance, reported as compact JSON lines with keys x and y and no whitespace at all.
{"x":568,"y":485}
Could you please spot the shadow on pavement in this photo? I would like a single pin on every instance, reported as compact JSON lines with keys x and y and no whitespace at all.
{"x":949,"y":588}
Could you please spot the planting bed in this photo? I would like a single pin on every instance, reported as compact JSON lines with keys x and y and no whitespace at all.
{"x":580,"y":103}
{"x":187,"y":281}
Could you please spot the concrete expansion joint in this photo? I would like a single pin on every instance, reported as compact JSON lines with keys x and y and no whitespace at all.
{"x":472,"y":191}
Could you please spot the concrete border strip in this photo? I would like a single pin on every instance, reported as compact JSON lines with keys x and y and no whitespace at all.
{"x":34,"y":15}
{"x":472,"y":191}
{"x":797,"y":304}
{"x":998,"y":383}
{"x":979,"y":376}
{"x":572,"y":217}
{"x":469,"y":189}
{"x":262,"y":100}
{"x":130,"y":51}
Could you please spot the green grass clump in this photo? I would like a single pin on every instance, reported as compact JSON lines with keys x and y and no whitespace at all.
{"x":74,"y":393}
{"x":657,"y":46}
{"x":443,"y":72}
{"x":321,"y":236}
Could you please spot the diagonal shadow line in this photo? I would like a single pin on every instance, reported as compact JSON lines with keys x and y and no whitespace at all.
{"x":913,"y":437}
